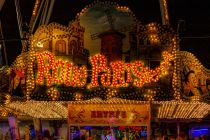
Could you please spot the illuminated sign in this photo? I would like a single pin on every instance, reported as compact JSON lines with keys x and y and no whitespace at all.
{"x":116,"y":74}
{"x":103,"y":114}
{"x":108,"y":114}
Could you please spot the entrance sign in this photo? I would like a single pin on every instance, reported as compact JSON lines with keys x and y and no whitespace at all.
{"x":109,"y":114}
{"x":111,"y":75}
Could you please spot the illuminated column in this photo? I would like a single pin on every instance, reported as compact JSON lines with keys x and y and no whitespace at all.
{"x":177,"y":71}
{"x":164,"y":12}
{"x":13,"y":125}
{"x":37,"y":126}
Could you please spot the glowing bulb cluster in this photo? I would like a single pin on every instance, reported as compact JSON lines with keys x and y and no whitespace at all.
{"x":183,"y":110}
{"x":98,"y":63}
{"x":59,"y":72}
{"x":4,"y":113}
{"x":35,"y":8}
{"x":140,"y":75}
{"x":123,"y":8}
{"x":118,"y":74}
{"x":153,"y":33}
{"x":63,"y":72}
{"x":148,"y":97}
{"x":8,"y":99}
{"x":45,"y":63}
{"x":195,"y":98}
{"x":78,"y":97}
{"x":53,"y":93}
{"x":111,"y":93}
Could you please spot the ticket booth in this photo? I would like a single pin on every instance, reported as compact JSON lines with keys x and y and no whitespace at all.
{"x":119,"y":120}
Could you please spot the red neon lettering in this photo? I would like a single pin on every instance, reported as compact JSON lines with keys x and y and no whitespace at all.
{"x":118,"y":74}
{"x":129,"y":78}
{"x":117,"y":114}
{"x":123,"y":113}
{"x":137,"y":71}
{"x":74,"y":76}
{"x":98,"y":63}
{"x":105,"y":77}
{"x":45,"y":63}
{"x":105,"y":114}
{"x":111,"y":114}
{"x":68,"y":74}
{"x":93,"y":114}
{"x":82,"y":76}
{"x":99,"y":114}
{"x":58,"y":72}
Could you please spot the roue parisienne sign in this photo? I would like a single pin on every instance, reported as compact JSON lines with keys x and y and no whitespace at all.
{"x":115,"y":74}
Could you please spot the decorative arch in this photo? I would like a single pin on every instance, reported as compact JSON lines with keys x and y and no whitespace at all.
{"x":109,"y":3}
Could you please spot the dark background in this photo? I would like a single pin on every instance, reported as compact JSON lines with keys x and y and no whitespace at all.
{"x":193,"y":16}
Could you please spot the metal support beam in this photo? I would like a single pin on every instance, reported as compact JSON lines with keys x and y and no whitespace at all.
{"x":1,"y":4}
{"x":164,"y":12}
{"x":19,"y":18}
{"x":52,"y":2}
{"x":3,"y":44}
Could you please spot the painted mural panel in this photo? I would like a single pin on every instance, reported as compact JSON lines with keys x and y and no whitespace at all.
{"x":106,"y":114}
{"x":195,"y":77}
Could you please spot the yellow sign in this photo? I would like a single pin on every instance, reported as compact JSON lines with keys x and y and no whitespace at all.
{"x":109,"y":114}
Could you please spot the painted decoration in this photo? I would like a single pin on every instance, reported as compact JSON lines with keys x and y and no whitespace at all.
{"x":195,"y":78}
{"x":108,"y":114}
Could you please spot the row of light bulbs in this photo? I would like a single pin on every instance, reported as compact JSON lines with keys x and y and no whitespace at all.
{"x":183,"y":110}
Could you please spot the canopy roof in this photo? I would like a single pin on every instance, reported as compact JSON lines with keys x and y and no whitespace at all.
{"x":59,"y":109}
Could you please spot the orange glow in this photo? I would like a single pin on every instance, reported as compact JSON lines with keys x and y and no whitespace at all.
{"x":98,"y":63}
{"x":82,"y":76}
{"x":136,"y":69}
{"x":46,"y":61}
{"x":105,"y":78}
{"x":68,"y":73}
{"x":129,"y":78}
{"x":122,"y":74}
{"x":118,"y":74}
{"x":58,"y":72}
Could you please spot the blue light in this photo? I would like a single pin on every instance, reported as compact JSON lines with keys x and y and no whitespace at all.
{"x":143,"y":133}
{"x":33,"y":133}
{"x":88,"y":127}
{"x":199,"y":132}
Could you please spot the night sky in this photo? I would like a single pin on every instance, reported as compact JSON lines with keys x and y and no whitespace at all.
{"x":193,"y":16}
